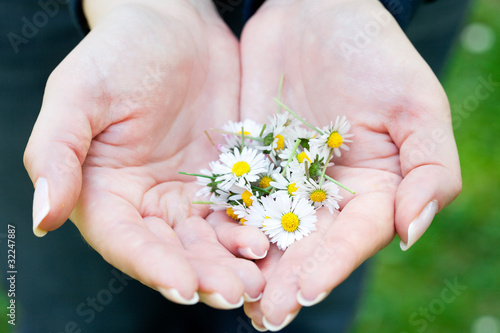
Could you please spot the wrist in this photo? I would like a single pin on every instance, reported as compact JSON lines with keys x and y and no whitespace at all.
{"x":402,"y":10}
{"x":96,"y":10}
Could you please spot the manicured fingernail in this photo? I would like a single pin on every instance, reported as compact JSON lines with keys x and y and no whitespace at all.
{"x":248,"y":253}
{"x":258,"y":328}
{"x":249,"y":299}
{"x":420,"y":224}
{"x":216,"y":300}
{"x":174,"y":295}
{"x":41,"y":205}
{"x":275,"y":328}
{"x":304,"y":302}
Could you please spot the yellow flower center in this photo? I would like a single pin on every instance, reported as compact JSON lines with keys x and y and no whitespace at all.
{"x":302,"y":156}
{"x":280,"y":144}
{"x":334,"y":140}
{"x":246,"y":198}
{"x":265,"y":182}
{"x":240,"y":168}
{"x":231,"y":214}
{"x":318,"y":196}
{"x":242,"y":221}
{"x":290,"y":222}
{"x":292,"y":188}
{"x":244,"y":133}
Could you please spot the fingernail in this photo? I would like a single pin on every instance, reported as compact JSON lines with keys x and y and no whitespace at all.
{"x":258,"y":328}
{"x":41,"y":205}
{"x":275,"y":328}
{"x":174,"y":295}
{"x":304,"y":302}
{"x":249,"y":299}
{"x":248,"y":253}
{"x":419,"y":225}
{"x":217,"y":301}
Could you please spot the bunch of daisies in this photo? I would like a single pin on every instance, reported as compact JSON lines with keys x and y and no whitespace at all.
{"x":272,"y":176}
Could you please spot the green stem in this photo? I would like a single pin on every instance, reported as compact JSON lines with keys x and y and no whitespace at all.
{"x":339,"y":184}
{"x":242,"y":137}
{"x":263,"y":129}
{"x":262,"y":189}
{"x":237,"y":134}
{"x":212,"y":141}
{"x":324,"y":168}
{"x":196,"y":175}
{"x":295,"y":146}
{"x":314,"y":128}
{"x":202,"y":202}
{"x":279,"y":92}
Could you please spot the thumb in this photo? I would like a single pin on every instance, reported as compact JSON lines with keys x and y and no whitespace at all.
{"x":430,"y":169}
{"x":56,"y":151}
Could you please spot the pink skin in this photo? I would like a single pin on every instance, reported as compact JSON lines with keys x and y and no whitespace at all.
{"x":121,"y":115}
{"x":403,"y":155}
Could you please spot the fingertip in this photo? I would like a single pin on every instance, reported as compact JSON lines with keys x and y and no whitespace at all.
{"x":278,"y":327}
{"x":39,"y":232}
{"x":422,"y":193}
{"x":41,"y":205}
{"x":247,"y":252}
{"x":251,"y":242}
{"x":419,"y":225}
{"x":173,"y":295}
{"x":310,"y":301}
{"x":257,"y":327}
{"x":249,"y":299}
{"x":218,"y":301}
{"x":245,"y":241}
{"x":51,"y":208}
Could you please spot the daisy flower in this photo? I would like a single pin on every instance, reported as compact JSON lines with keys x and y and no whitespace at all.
{"x":278,"y":122}
{"x":209,"y":185}
{"x":335,"y":136}
{"x":236,"y":212}
{"x":256,"y":215}
{"x":315,"y":156}
{"x":290,"y":219}
{"x":266,"y":177}
{"x":243,"y":194}
{"x":274,"y":147}
{"x":219,"y":200}
{"x":303,"y":133}
{"x":239,"y":168}
{"x":290,"y":184}
{"x":250,"y":128}
{"x":287,"y":151}
{"x":274,"y":136}
{"x":290,"y":123}
{"x":324,"y":195}
{"x":206,"y":189}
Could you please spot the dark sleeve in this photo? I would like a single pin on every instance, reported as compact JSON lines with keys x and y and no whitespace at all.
{"x":76,"y":9}
{"x":402,"y":10}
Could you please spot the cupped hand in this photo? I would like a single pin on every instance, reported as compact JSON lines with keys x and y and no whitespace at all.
{"x":349,"y":58}
{"x":121,"y":115}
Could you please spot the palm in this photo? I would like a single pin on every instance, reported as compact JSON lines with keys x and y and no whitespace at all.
{"x":150,"y":109}
{"x":381,"y":91}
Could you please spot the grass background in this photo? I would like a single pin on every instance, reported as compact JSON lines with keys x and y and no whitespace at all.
{"x":463,"y":243}
{"x":464,"y":239}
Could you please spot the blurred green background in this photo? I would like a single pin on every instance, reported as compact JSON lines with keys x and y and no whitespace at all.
{"x":406,"y":291}
{"x":409,"y":291}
